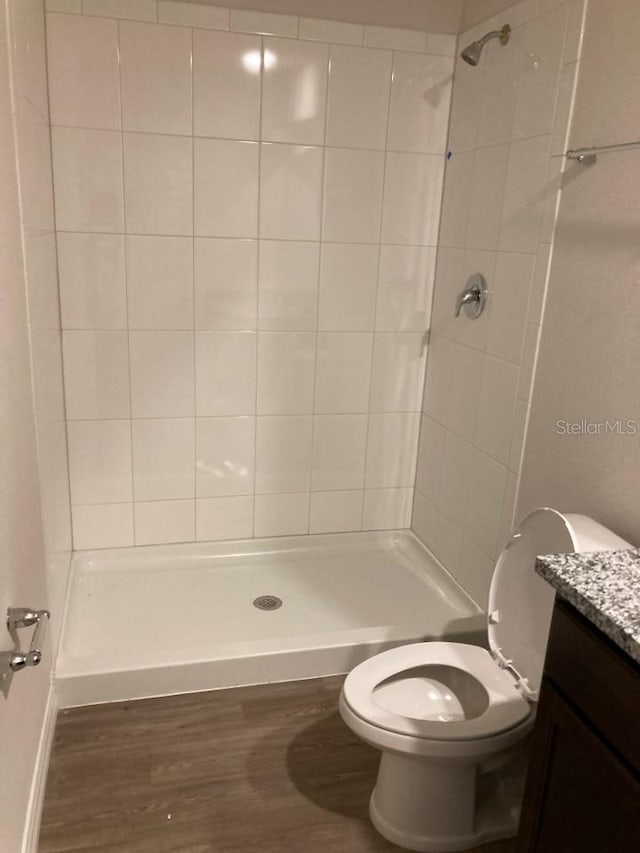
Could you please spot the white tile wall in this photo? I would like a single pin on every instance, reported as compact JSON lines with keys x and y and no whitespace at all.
{"x":247,"y":209}
{"x":498,"y":219}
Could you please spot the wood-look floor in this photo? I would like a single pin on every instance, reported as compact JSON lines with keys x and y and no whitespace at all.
{"x":271,"y":769}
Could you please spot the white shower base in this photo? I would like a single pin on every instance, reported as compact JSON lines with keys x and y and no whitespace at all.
{"x":158,"y":620}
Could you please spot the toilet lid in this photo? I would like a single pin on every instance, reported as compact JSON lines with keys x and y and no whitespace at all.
{"x":520,"y":602}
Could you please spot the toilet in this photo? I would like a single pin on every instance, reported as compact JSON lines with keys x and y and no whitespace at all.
{"x":451,"y":719}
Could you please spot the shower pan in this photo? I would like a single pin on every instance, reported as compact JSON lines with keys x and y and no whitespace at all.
{"x":181,"y":618}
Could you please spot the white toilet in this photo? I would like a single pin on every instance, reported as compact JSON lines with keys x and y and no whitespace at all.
{"x":451,"y":719}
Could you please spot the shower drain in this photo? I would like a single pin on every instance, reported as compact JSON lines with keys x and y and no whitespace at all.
{"x":267,"y":602}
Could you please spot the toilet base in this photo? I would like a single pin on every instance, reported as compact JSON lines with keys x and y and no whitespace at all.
{"x":437,"y":807}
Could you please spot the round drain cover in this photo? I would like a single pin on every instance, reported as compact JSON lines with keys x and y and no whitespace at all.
{"x":267,"y":602}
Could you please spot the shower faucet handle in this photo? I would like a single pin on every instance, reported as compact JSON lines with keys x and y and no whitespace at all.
{"x":473,"y":297}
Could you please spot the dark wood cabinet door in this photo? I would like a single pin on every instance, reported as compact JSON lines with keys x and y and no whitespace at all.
{"x":580,"y":797}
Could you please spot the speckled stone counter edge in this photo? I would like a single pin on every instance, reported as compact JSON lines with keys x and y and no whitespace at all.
{"x":605,"y":587}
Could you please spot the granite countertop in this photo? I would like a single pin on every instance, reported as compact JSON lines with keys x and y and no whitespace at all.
{"x":605,"y":587}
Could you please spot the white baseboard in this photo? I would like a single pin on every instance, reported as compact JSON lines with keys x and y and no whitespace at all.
{"x":39,"y":780}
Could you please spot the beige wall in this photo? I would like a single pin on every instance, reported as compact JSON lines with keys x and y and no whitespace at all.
{"x":474,"y":11}
{"x":441,"y":16}
{"x":589,"y":362}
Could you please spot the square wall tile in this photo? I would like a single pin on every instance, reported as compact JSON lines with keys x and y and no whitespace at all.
{"x":96,"y":375}
{"x":387,"y":509}
{"x":294,"y":91}
{"x":398,"y":371}
{"x":537,"y":86}
{"x":264,"y":23}
{"x":193,"y":15}
{"x":100,"y":461}
{"x":137,"y":10}
{"x":288,"y":285}
{"x":430,"y":451}
{"x":405,"y":288}
{"x":454,"y":215}
{"x":226,"y":273}
{"x":440,"y":535}
{"x":226,"y":84}
{"x":343,"y":372}
{"x":28,"y":53}
{"x":352,"y":195}
{"x":437,"y":383}
{"x":333,"y":32}
{"x":33,"y":142}
{"x":509,"y":305}
{"x":91,"y":268}
{"x":358,"y":107}
{"x":225,"y":373}
{"x":160,"y":282}
{"x":475,"y":572}
{"x":283,"y":454}
{"x":225,"y":456}
{"x":395,"y":38}
{"x":224,"y":518}
{"x":449,"y":279}
{"x":63,"y":6}
{"x":226,"y":188}
{"x":163,"y":459}
{"x":102,"y":526}
{"x":420,"y":96}
{"x":281,"y":515}
{"x":412,"y":199}
{"x":290,"y":192}
{"x":465,"y":378}
{"x":456,"y":464}
{"x":158,"y":179}
{"x":87,"y":173}
{"x":486,"y":485}
{"x":391,"y":450}
{"x":155,"y":77}
{"x":348,"y":274}
{"x":162,"y":522}
{"x":336,"y":512}
{"x":161,"y":374}
{"x":524,"y":195}
{"x":339,"y":446}
{"x":486,"y":197}
{"x":47,"y":378}
{"x":286,"y":371}
{"x":40,"y":265}
{"x":82,"y":58}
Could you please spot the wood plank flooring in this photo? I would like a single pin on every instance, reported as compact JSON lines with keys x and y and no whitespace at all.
{"x":270,"y":769}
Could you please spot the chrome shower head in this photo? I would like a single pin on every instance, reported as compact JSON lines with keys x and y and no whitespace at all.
{"x":473,"y":51}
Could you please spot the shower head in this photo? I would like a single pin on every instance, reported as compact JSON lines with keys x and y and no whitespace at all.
{"x":473,"y":51}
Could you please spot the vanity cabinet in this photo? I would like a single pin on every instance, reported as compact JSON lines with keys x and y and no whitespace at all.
{"x":582,"y":791}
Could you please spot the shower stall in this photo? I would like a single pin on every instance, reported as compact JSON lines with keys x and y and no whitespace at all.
{"x":256,"y":390}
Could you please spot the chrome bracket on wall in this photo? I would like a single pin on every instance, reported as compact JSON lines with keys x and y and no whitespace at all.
{"x":16,"y":660}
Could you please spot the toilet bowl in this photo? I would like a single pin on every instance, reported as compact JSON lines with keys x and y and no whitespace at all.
{"x":451,"y":719}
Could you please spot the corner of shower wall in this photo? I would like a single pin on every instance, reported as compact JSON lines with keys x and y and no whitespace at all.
{"x":509,"y":124}
{"x":35,"y":184}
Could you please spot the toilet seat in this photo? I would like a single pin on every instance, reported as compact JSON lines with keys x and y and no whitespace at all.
{"x":506,"y":706}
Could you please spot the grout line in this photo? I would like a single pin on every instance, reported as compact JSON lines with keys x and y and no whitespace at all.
{"x":257,"y":281}
{"x":377,"y":283}
{"x":126,"y":282}
{"x":193,"y":285}
{"x":318,"y":277}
